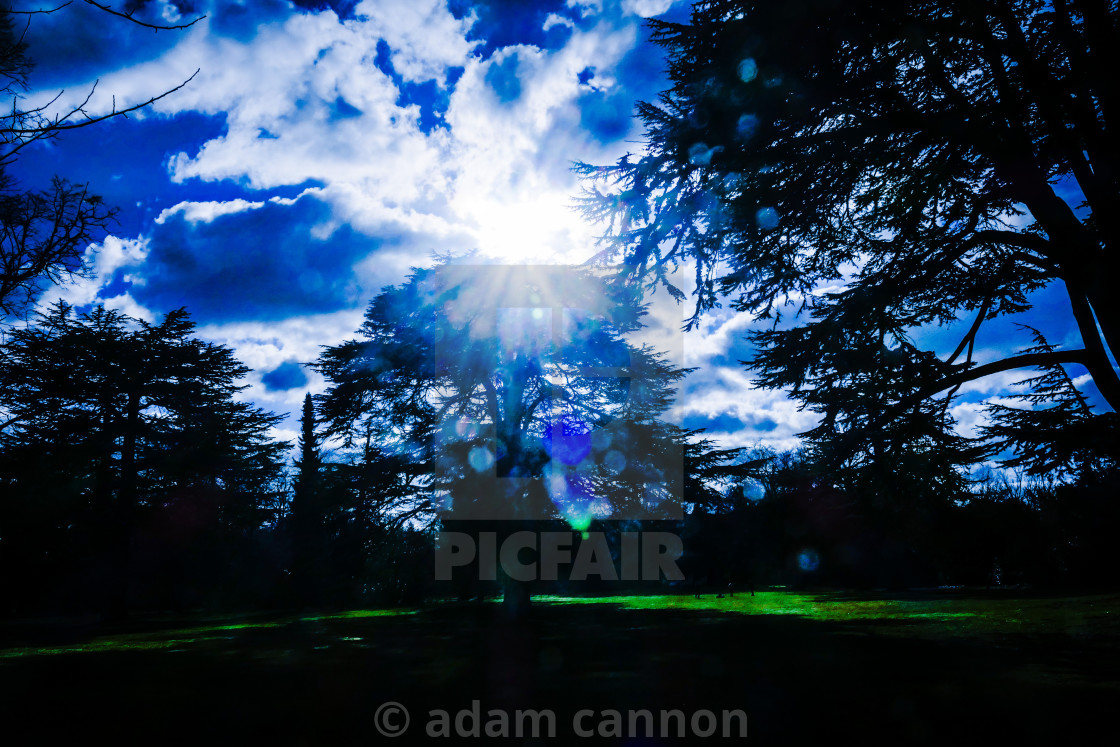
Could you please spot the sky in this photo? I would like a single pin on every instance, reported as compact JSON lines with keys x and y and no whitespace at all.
{"x":324,"y":147}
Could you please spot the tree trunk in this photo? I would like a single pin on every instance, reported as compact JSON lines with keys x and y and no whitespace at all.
{"x":515,"y":599}
{"x":126,"y":508}
{"x":1096,"y":344}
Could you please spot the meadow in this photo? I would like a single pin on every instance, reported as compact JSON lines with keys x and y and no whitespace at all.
{"x":805,"y":667}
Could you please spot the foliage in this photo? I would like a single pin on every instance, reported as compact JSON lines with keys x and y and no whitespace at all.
{"x":885,"y":168}
{"x":1064,"y":438}
{"x":116,"y":428}
{"x":460,"y":372}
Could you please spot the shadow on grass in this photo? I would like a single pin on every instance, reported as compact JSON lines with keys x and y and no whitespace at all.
{"x":315,"y":680}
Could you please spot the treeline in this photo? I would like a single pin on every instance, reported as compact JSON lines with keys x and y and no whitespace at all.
{"x":132,"y":477}
{"x":807,"y":531}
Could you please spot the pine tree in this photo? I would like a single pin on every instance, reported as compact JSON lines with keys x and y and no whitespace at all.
{"x":498,"y":423}
{"x":307,"y":523}
{"x":112,"y":422}
{"x":861,"y":172}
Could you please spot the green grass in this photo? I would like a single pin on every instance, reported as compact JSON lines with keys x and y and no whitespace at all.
{"x":807,"y":668}
{"x":933,"y":616}
{"x":177,"y":638}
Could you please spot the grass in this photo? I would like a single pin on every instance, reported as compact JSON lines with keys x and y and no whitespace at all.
{"x":178,"y":638}
{"x":943,"y":615}
{"x":806,"y":668}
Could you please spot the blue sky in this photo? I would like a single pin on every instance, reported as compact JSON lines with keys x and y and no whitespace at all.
{"x":325,"y":146}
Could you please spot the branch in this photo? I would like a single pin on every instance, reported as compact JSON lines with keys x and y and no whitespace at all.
{"x":1100,"y":367}
{"x":59,"y":123}
{"x":968,"y":341}
{"x":970,"y":338}
{"x":9,"y":421}
{"x":848,"y":441}
{"x":129,"y":17}
{"x":34,"y":12}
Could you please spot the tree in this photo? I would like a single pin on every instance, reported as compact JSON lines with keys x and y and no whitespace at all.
{"x":886,"y":168}
{"x":44,"y":233}
{"x":1064,"y":439}
{"x":306,"y":519}
{"x":477,"y":374}
{"x":114,"y":423}
{"x":514,"y":395}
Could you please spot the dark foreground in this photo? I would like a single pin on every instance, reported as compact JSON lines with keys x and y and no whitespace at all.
{"x":918,"y":669}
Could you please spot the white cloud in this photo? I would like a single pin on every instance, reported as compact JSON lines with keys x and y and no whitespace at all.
{"x":127,"y":305}
{"x":1003,"y":381}
{"x":265,"y":345}
{"x":104,"y":260}
{"x":425,"y":38}
{"x":586,"y":7}
{"x":646,"y":8}
{"x":262,"y":346}
{"x":512,"y":182}
{"x":715,"y":391}
{"x":303,"y":100}
{"x":718,"y":333}
{"x":322,"y":112}
{"x":556,"y":20}
{"x":206,"y":212}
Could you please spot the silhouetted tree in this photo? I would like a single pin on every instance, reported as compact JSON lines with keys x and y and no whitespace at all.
{"x":883,"y":167}
{"x":307,"y":523}
{"x":514,"y":395}
{"x":113,"y":423}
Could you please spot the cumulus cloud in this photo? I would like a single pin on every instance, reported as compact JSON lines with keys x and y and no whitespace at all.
{"x":513,"y":183}
{"x":720,"y":332}
{"x":270,"y":261}
{"x":206,"y":212}
{"x":647,"y":8}
{"x":338,"y":107}
{"x":305,"y":100}
{"x":112,"y":262}
{"x":267,"y":346}
{"x":425,"y":37}
{"x":738,"y":413}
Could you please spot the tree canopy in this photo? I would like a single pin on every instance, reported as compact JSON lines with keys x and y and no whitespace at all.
{"x":108,"y":423}
{"x":514,"y":391}
{"x":887,"y":168}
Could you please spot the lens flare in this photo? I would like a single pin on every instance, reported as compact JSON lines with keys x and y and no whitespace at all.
{"x":568,"y":440}
{"x":753,"y":490}
{"x":808,"y":560}
{"x":766,"y":218}
{"x":571,"y":496}
{"x":701,"y":155}
{"x":481,"y":458}
{"x":746,"y":126}
{"x":748,"y":70}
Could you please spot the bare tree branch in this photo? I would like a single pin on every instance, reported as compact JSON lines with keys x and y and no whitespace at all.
{"x":130,"y":17}
{"x":45,"y":12}
{"x":59,"y":123}
{"x":24,"y":136}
